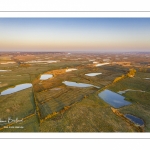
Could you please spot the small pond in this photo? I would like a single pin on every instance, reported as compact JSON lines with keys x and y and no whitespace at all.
{"x":8,"y":63}
{"x":68,"y":83}
{"x":135,"y":120}
{"x":55,"y":89}
{"x":71,"y":69}
{"x":16,"y":88}
{"x":92,"y":74}
{"x":4,"y":70}
{"x":122,"y":92}
{"x":114,"y":99}
{"x":42,"y":61}
{"x":101,"y":64}
{"x":46,"y":76}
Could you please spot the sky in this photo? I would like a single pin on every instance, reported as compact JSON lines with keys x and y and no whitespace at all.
{"x":75,"y":34}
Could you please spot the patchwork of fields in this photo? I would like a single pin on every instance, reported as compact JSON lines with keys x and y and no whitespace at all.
{"x":51,"y":106}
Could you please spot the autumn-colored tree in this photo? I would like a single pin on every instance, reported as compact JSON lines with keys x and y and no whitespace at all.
{"x":131,"y":73}
{"x":24,"y":65}
{"x":118,"y":78}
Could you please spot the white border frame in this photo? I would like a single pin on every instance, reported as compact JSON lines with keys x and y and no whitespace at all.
{"x":73,"y":14}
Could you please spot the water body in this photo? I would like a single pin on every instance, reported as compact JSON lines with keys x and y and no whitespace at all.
{"x":101,"y":64}
{"x":68,"y":83}
{"x":4,"y":70}
{"x":114,"y":99}
{"x":46,"y":76}
{"x":8,"y":63}
{"x":36,"y":61}
{"x":16,"y":88}
{"x":135,"y":120}
{"x":92,"y":74}
{"x":122,"y":92}
{"x":71,"y":69}
{"x":56,"y":89}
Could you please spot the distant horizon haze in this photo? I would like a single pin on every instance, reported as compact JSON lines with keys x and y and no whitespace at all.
{"x":75,"y":34}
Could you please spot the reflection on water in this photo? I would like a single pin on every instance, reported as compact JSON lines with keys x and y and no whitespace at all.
{"x":92,"y":74}
{"x":113,"y":98}
{"x":68,"y":83}
{"x":16,"y":88}
{"x":135,"y":120}
{"x":46,"y":76}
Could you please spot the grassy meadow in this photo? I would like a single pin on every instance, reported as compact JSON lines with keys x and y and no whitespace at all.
{"x":51,"y":106}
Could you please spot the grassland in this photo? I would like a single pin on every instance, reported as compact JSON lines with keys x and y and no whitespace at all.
{"x":88,"y":115}
{"x":51,"y":106}
{"x":19,"y":105}
{"x":140,"y":100}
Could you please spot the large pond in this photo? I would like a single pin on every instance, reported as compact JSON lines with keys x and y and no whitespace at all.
{"x":46,"y":76}
{"x":135,"y":120}
{"x":114,"y":99}
{"x":92,"y":74}
{"x":68,"y":83}
{"x":16,"y":88}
